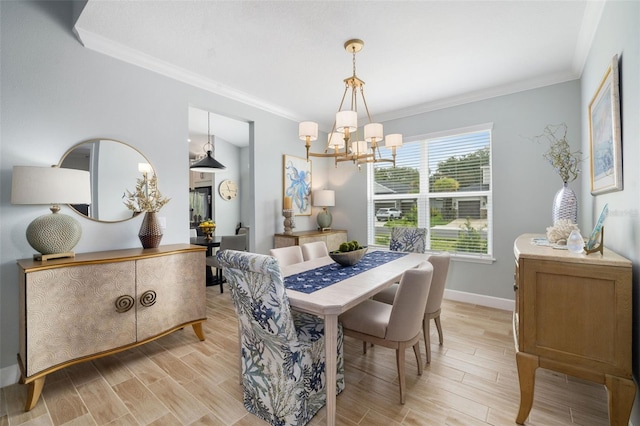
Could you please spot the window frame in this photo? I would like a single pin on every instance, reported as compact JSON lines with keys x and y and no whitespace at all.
{"x":423,"y":198}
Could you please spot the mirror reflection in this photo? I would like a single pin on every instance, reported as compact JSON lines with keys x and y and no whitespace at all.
{"x":114,"y":167}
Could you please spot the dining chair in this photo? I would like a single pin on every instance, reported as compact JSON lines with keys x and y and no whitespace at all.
{"x":394,"y":326}
{"x":282,"y":351}
{"x":432,"y":310}
{"x":314,"y":250}
{"x":227,"y":242}
{"x":244,"y":230}
{"x":408,"y":239}
{"x":287,"y":255}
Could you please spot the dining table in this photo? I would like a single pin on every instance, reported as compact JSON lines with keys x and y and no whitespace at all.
{"x":210,"y":244}
{"x":345,"y":291}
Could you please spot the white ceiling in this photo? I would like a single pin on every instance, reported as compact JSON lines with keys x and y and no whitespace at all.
{"x":287,"y":57}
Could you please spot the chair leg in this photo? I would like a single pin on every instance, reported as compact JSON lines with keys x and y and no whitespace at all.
{"x":416,"y":351}
{"x":427,"y":337}
{"x":219,"y":278}
{"x":400,"y":362}
{"x":439,"y":327}
{"x":364,"y":347}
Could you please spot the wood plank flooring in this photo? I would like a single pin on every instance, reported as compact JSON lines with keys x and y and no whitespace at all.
{"x":178,"y":380}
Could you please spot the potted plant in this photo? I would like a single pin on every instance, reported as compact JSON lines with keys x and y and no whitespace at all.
{"x":147,"y":198}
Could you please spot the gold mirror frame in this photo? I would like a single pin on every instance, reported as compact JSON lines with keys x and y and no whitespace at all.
{"x":113,"y":167}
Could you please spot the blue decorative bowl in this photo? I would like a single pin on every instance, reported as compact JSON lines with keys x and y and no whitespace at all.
{"x":348,"y":258}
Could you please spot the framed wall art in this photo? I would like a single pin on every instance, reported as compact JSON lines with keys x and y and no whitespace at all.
{"x":605,"y":141}
{"x":297,"y":185}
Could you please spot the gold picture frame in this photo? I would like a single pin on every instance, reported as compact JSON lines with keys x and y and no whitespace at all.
{"x":296,"y":177}
{"x":605,"y":141}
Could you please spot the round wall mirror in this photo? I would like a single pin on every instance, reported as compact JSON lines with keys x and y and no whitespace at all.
{"x":114,"y":168}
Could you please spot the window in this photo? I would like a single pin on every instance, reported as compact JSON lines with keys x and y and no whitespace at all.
{"x":441,"y":182}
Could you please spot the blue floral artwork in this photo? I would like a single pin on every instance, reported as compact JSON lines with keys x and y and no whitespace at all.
{"x":324,"y":276}
{"x":297,"y":184}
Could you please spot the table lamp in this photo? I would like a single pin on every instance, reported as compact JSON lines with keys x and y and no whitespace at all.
{"x":324,"y":198}
{"x":52,"y":235}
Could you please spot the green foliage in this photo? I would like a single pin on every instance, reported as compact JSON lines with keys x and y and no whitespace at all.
{"x":350,"y":246}
{"x":564,"y":162}
{"x":405,"y":175}
{"x":466,"y":170}
{"x":470,"y":240}
{"x":446,"y":184}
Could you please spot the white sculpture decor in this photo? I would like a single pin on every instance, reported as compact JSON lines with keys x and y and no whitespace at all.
{"x":560,"y":231}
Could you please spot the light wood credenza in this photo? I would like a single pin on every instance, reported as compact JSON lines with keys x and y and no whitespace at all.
{"x":333,"y":238}
{"x":96,"y":304}
{"x":573,"y":315}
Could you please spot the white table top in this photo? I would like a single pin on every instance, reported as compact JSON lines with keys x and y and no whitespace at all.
{"x":343,"y":295}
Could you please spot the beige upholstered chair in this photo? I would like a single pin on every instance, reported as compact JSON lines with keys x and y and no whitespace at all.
{"x":314,"y":250}
{"x":287,"y":255}
{"x":227,"y":242}
{"x":440,"y":264}
{"x":394,"y":326}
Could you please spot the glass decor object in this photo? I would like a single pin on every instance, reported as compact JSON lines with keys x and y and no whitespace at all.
{"x":575,"y":242}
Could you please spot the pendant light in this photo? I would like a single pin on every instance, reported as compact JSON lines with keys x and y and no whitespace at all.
{"x":208,"y":164}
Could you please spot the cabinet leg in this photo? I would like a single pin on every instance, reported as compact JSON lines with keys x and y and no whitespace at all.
{"x":527,"y":365}
{"x":34,"y":389}
{"x":197,"y":328}
{"x":621,"y":393}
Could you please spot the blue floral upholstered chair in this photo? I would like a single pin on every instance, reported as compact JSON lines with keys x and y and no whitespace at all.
{"x":282,"y":351}
{"x":408,"y":239}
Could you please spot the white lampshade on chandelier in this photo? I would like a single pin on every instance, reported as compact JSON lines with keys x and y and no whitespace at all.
{"x":344,"y":139}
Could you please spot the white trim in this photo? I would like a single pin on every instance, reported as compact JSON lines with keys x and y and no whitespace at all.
{"x":9,"y":375}
{"x":124,"y":53}
{"x":480,"y":299}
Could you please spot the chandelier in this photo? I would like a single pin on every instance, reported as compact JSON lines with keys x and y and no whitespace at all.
{"x":344,"y":142}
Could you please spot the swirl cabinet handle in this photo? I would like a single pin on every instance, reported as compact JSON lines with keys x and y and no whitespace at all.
{"x":124,"y":303}
{"x":148,"y":298}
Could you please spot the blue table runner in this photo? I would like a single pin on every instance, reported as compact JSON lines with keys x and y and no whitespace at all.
{"x":324,"y":276}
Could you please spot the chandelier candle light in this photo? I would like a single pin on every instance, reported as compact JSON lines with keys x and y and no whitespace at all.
{"x":344,"y":138}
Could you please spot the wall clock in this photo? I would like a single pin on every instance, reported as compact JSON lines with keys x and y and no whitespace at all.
{"x":228,"y":189}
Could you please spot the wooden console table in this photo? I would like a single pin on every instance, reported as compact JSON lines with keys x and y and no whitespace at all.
{"x":573,"y":315}
{"x":333,"y":238}
{"x":97,"y":304}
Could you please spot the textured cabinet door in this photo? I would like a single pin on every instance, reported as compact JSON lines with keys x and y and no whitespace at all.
{"x":70,"y":313}
{"x":170,"y":292}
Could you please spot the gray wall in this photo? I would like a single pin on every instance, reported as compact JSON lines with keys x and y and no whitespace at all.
{"x":618,"y":33}
{"x":56,"y":93}
{"x":524,"y":184}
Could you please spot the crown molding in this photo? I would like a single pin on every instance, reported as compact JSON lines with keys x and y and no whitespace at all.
{"x":480,"y":95}
{"x":124,"y":53}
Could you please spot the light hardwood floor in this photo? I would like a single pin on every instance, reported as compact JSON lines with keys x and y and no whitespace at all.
{"x":178,"y":380}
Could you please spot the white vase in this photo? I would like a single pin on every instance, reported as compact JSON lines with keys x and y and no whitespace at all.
{"x":565,"y":205}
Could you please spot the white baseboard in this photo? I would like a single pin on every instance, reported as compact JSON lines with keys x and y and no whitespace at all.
{"x":479,"y":299}
{"x":9,"y":375}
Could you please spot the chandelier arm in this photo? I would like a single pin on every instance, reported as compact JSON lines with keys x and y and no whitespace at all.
{"x":364,"y":102}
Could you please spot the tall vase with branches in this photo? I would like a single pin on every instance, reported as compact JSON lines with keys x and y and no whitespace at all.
{"x":147,"y":198}
{"x":566,"y":164}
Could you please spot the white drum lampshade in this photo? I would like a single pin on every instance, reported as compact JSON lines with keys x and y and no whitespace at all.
{"x":56,"y":233}
{"x":324,"y":198}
